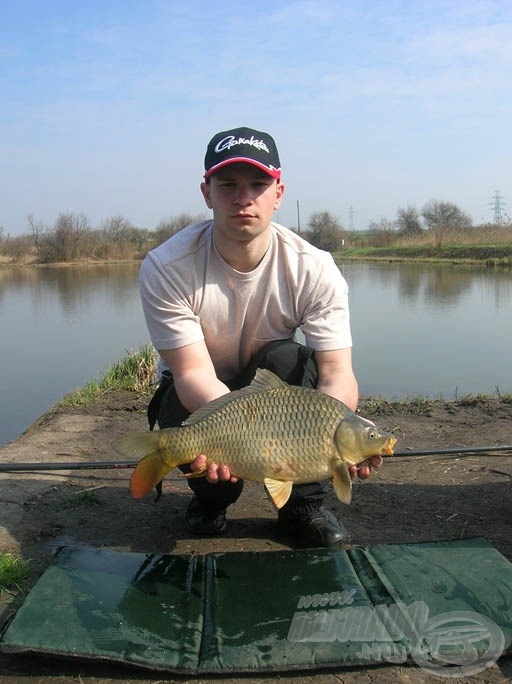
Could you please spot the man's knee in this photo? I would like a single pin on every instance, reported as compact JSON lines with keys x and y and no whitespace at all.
{"x":292,"y":362}
{"x":165,"y":408}
{"x":172,"y":413}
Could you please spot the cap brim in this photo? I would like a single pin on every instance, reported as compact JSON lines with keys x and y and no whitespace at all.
{"x":274,"y":173}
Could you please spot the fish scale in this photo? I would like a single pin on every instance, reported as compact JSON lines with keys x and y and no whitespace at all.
{"x":268,"y":432}
{"x":265,"y":435}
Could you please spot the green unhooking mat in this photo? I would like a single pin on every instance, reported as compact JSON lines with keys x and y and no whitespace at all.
{"x":437,"y":602}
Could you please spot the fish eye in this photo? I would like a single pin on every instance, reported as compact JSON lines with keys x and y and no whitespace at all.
{"x":372,"y":433}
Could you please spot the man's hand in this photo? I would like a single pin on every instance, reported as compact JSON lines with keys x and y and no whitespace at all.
{"x":364,"y":469}
{"x":221,"y":473}
{"x":214,"y":473}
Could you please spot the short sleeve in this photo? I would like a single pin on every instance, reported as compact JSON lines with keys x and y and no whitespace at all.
{"x":326,"y":318}
{"x":167,"y":307}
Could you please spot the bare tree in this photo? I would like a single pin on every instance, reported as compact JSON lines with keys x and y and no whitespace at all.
{"x":117,"y":228}
{"x":69,"y":235}
{"x":325,"y":232}
{"x":408,"y":221}
{"x":442,"y":217}
{"x":39,"y":237}
{"x":69,"y":240}
{"x":168,"y":227}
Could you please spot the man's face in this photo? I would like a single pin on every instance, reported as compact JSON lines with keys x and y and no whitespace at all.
{"x":243,"y":199}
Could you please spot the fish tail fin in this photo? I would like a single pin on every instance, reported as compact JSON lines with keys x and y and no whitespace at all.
{"x":152,"y":467}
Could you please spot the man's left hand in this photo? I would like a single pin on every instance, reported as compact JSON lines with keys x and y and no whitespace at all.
{"x":364,"y":469}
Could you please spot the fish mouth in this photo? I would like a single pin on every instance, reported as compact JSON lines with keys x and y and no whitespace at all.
{"x":387,"y":449}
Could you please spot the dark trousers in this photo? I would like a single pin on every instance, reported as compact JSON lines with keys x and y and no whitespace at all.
{"x":292,"y":362}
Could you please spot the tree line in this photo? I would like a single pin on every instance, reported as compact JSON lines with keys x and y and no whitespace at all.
{"x":72,"y":238}
{"x":436,"y":223}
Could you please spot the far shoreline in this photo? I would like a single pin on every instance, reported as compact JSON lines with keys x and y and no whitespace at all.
{"x":456,"y":254}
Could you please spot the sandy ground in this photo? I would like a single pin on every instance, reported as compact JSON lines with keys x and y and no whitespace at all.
{"x":408,"y":499}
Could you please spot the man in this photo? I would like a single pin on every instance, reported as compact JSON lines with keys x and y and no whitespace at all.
{"x":224,"y":297}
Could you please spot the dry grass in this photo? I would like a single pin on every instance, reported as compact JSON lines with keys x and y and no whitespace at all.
{"x":482,"y":235}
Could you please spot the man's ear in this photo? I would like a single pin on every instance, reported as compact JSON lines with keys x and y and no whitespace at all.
{"x":279,"y":195}
{"x":205,"y":189}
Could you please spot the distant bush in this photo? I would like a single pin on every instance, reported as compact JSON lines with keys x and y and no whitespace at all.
{"x":17,"y":249}
{"x":325,"y":232}
{"x":168,"y":227}
{"x":73,"y":239}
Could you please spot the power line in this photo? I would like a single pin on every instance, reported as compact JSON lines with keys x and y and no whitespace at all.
{"x":351,"y":216}
{"x":497,"y":206}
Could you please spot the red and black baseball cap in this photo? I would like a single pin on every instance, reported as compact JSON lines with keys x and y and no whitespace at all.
{"x":242,"y":145}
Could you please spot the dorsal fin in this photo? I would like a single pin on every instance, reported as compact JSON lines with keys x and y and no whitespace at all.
{"x":263,"y":380}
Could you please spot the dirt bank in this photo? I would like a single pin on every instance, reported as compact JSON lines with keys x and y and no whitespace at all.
{"x":409,"y":499}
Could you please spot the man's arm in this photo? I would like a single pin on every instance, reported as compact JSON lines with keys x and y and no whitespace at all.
{"x":193,"y":374}
{"x":196,"y":384}
{"x":336,"y":378}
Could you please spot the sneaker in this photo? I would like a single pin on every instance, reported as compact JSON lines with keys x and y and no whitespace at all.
{"x":200,"y":520}
{"x":314,"y":526}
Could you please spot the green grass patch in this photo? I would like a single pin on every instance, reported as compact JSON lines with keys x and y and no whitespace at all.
{"x":423,"y":406}
{"x":489,"y":255}
{"x":136,"y":372}
{"x":418,"y":406}
{"x":71,"y":500}
{"x":14,"y":571}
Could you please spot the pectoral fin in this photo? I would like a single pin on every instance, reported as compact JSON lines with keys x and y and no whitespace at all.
{"x":278,"y":491}
{"x":342,"y":482}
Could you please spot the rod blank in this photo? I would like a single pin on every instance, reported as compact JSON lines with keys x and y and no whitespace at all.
{"x":455,"y":450}
{"x":85,"y":465}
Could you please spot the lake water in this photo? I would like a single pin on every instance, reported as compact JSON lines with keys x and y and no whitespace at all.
{"x":429,"y":330}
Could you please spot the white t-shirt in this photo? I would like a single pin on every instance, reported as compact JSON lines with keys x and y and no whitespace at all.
{"x":189,"y":293}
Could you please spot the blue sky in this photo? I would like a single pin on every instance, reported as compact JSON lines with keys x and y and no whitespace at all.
{"x":107,"y":107}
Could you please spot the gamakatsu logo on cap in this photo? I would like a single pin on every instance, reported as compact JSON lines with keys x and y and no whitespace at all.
{"x":230,"y":141}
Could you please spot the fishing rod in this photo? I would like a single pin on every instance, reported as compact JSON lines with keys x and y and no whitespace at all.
{"x":85,"y":465}
{"x":456,"y":450}
{"x":496,"y":450}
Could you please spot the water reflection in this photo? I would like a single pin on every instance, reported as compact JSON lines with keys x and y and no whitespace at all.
{"x":434,"y":287}
{"x":434,"y":284}
{"x":435,"y":330}
{"x":444,"y":286}
{"x":74,"y":287}
{"x":62,"y":326}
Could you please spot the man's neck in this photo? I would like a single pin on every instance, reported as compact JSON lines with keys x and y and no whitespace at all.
{"x":243,"y":256}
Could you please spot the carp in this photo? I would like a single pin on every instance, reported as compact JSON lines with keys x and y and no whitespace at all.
{"x":268,"y":432}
